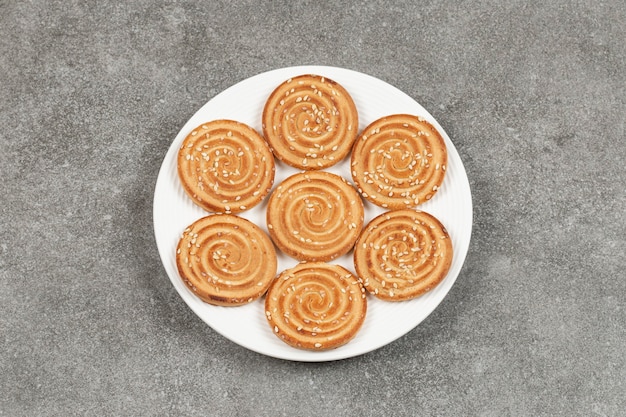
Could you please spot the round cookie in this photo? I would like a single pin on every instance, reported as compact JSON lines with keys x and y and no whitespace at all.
{"x":226,"y":260}
{"x":315,"y":216}
{"x":402,"y":254}
{"x":310,"y":122}
{"x":225,"y":166}
{"x":399,"y":161}
{"x":316,"y":306}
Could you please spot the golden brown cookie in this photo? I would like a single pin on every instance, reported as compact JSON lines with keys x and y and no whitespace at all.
{"x":399,"y":161}
{"x":310,"y":122}
{"x":225,"y":166}
{"x":402,"y":254}
{"x":226,"y":260}
{"x":315,"y":216}
{"x":316,"y":306}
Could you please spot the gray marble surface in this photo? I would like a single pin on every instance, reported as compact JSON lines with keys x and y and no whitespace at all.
{"x":533,"y":96}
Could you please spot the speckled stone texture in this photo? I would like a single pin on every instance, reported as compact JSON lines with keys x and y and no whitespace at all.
{"x":531,"y":92}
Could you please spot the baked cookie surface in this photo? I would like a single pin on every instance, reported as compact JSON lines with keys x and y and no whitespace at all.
{"x":310,"y":122}
{"x":399,"y":161}
{"x":402,"y":254}
{"x":316,"y":306}
{"x":315,"y":216}
{"x":226,"y":260}
{"x":225,"y":166}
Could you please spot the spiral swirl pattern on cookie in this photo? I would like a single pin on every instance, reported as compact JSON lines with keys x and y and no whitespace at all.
{"x":225,"y":166}
{"x":310,"y":122}
{"x":226,"y":260}
{"x":316,"y":306}
{"x":399,"y":161}
{"x":402,"y":254}
{"x":315,"y":216}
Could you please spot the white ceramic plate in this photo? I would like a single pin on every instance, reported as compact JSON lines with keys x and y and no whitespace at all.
{"x":246,"y":325}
